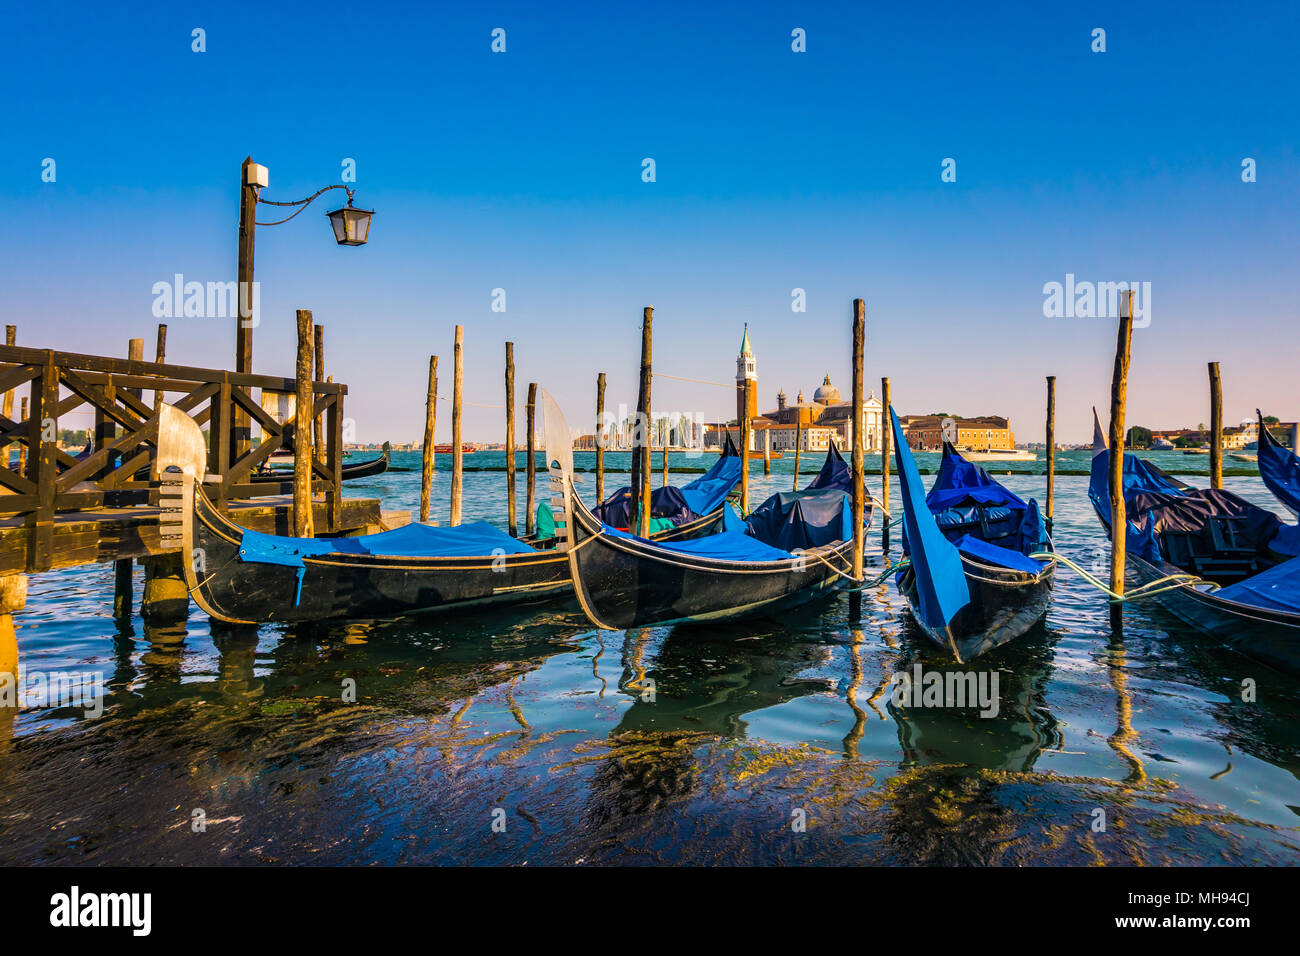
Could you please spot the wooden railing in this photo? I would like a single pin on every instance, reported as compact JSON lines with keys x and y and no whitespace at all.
{"x":116,"y":472}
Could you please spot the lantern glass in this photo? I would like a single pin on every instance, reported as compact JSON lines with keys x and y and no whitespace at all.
{"x":351,"y":225}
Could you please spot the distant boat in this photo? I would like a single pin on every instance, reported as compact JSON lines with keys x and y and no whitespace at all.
{"x":997,"y":454}
{"x":1161,"y":445}
{"x":448,"y":448}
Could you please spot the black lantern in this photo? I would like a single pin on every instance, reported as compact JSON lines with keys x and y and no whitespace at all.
{"x":351,"y":225}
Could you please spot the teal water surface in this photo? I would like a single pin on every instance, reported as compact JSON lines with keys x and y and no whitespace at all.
{"x":528,"y":736}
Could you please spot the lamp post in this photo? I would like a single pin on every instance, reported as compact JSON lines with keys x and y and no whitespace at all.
{"x":351,"y":228}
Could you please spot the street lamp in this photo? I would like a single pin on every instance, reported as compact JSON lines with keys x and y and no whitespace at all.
{"x":351,"y":228}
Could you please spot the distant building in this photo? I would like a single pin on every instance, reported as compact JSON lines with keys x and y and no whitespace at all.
{"x":985,"y":433}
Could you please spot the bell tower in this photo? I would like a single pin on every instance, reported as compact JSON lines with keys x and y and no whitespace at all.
{"x":746,"y":370}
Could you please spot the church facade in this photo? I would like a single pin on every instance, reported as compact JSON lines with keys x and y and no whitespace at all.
{"x":815,"y":425}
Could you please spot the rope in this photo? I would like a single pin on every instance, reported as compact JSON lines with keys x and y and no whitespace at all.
{"x":697,"y":381}
{"x":1170,"y":582}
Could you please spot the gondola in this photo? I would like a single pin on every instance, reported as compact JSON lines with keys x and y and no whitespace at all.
{"x":793,"y":548}
{"x":1245,"y":561}
{"x":1279,"y":467}
{"x":971,"y":583}
{"x":361,"y":469}
{"x":244,"y":576}
{"x":677,"y":513}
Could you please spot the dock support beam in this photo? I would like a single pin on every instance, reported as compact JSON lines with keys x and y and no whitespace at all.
{"x":600,"y":438}
{"x":13,"y":597}
{"x":1216,"y":426}
{"x":317,"y":421}
{"x":1051,"y":447}
{"x":123,"y":588}
{"x":886,"y":450}
{"x":166,"y":599}
{"x":457,"y":451}
{"x":858,"y":473}
{"x":430,"y":420}
{"x":1118,"y":400}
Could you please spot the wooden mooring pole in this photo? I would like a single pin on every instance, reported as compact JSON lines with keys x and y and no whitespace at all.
{"x":530,"y":467}
{"x":510,"y":438}
{"x":641,"y":462}
{"x":746,"y":438}
{"x":304,"y":399}
{"x":1051,"y":448}
{"x":317,"y":421}
{"x":600,"y":438}
{"x":767,"y":451}
{"x":798,"y":450}
{"x":22,"y":449}
{"x":859,"y":462}
{"x":160,"y":356}
{"x":1216,"y":427}
{"x":457,"y":449}
{"x":1118,"y":400}
{"x":426,"y":458}
{"x":886,"y":451}
{"x":13,"y":598}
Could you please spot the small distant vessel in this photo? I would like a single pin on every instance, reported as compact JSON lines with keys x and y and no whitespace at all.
{"x":997,"y":454}
{"x":1196,"y":451}
{"x":447,"y":448}
{"x":1244,"y":456}
{"x":1161,"y":445}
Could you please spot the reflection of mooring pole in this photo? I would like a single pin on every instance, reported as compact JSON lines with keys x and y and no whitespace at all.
{"x":1124,"y":733}
{"x":1118,"y":398}
{"x":852,"y":738}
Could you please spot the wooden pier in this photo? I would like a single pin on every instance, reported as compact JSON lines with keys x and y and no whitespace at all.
{"x":58,"y":510}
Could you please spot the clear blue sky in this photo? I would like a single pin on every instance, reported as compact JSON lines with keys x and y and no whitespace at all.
{"x":775,"y":170}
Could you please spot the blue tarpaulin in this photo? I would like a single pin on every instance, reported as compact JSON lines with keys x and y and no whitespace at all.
{"x":1277,"y":588}
{"x":940,"y":582}
{"x":476,"y":539}
{"x":1280,"y":469}
{"x":729,"y":545}
{"x":960,"y":481}
{"x":680,"y":505}
{"x":803,"y":519}
{"x":981,"y":550}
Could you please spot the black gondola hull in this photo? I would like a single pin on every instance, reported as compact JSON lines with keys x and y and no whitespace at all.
{"x":1268,"y":636}
{"x":623,"y":583}
{"x":340,"y":586}
{"x":1004,"y":604}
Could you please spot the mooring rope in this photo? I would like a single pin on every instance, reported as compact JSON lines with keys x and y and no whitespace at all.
{"x":1170,"y":582}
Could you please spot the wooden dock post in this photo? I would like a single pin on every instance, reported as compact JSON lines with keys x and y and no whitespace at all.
{"x":600,"y":438}
{"x":510,"y":438}
{"x":123,"y":568}
{"x":303,"y":525}
{"x":166,"y":598}
{"x":160,"y":356}
{"x":13,"y":598}
{"x":859,"y":488}
{"x":1216,"y":426}
{"x":1118,"y":400}
{"x":798,"y":450}
{"x":426,"y":458}
{"x":317,"y":421}
{"x":530,"y":468}
{"x":886,"y":451}
{"x":641,"y":462}
{"x":22,"y":449}
{"x":665,"y":481}
{"x":1051,"y":447}
{"x":746,"y":437}
{"x":767,"y":451}
{"x":7,"y":406}
{"x":457,"y":445}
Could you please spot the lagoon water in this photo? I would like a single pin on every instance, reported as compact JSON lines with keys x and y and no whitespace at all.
{"x":529,"y":737}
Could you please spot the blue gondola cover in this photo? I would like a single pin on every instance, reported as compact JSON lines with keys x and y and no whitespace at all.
{"x":940,"y":581}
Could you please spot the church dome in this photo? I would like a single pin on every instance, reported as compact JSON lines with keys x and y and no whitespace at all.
{"x":826,"y":394}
